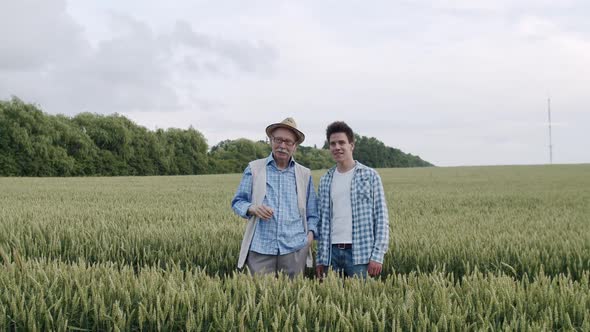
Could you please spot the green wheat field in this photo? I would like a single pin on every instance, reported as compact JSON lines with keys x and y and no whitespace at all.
{"x":472,"y":248}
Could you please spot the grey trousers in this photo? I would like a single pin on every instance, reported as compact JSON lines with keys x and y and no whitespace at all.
{"x":291,"y":264}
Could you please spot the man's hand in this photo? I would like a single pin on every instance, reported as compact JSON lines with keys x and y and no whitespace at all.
{"x":261,"y":211}
{"x":319,"y":271}
{"x":309,"y":238}
{"x":374,"y":268}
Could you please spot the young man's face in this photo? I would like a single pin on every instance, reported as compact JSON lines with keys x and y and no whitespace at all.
{"x":283,"y":142}
{"x":341,"y":148}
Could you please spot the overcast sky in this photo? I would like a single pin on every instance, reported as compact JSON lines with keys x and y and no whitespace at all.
{"x":457,"y":82}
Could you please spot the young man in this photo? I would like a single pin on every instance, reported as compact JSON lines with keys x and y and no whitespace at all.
{"x":278,"y":198}
{"x":353,"y":226}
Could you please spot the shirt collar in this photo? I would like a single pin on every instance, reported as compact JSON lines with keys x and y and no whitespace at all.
{"x":357,"y":165}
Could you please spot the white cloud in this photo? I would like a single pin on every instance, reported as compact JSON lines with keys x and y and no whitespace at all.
{"x":456,"y":82}
{"x":134,"y":69}
{"x":36,"y":35}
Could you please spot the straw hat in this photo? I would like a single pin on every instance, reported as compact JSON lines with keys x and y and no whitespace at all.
{"x":288,"y":123}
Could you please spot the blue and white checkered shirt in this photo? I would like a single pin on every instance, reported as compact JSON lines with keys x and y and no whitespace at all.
{"x":370,"y":218}
{"x":284,"y":233}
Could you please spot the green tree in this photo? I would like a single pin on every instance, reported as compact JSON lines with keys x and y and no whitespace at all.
{"x":33,"y":143}
{"x":188,"y":151}
{"x":232,"y":156}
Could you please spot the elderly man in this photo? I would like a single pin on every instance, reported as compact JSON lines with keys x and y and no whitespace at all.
{"x":278,"y":198}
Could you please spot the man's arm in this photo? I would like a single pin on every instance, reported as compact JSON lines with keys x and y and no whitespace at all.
{"x":243,"y":197}
{"x":322,"y":254}
{"x":312,"y":209}
{"x":242,"y":202}
{"x":381,"y":221}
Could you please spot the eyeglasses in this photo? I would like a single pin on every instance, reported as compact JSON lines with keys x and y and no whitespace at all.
{"x":279,"y":141}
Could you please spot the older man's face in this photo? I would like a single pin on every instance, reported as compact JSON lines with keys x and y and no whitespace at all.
{"x":283,"y":144}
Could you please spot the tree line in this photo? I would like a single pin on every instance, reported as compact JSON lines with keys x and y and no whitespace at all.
{"x":33,"y":143}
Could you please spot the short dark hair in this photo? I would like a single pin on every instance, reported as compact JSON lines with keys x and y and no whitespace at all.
{"x":340,"y":127}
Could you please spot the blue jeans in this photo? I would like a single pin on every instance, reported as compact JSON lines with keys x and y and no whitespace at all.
{"x":341,"y":263}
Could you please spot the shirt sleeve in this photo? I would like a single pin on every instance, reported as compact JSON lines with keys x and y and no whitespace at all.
{"x":312,"y":209}
{"x":243,"y":198}
{"x":381,"y":218}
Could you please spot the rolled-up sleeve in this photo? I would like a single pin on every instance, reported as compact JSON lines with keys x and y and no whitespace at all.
{"x":243,"y":198}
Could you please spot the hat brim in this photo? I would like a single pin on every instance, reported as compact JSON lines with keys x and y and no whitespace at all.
{"x":272,"y":127}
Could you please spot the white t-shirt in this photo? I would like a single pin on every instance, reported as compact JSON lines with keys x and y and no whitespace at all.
{"x":341,"y":206}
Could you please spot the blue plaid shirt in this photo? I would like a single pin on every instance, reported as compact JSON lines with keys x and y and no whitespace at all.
{"x":370,"y":218}
{"x":284,"y":233}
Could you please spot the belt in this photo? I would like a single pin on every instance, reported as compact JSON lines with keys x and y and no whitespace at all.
{"x":343,"y":245}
